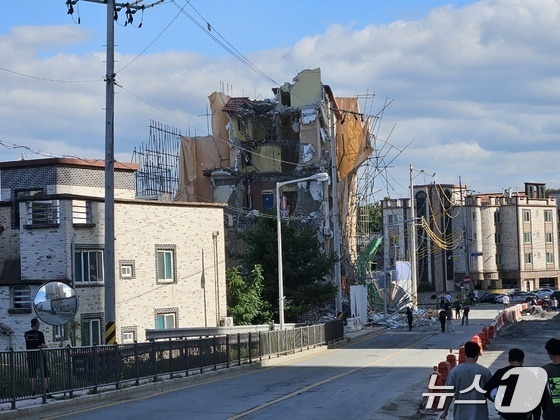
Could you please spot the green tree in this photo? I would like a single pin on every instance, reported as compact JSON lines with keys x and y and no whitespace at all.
{"x":304,"y":266}
{"x":244,"y":291}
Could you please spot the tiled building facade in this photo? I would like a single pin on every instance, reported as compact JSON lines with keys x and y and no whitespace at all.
{"x":169,"y":257}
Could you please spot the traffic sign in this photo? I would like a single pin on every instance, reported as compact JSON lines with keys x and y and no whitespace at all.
{"x":467,"y":279}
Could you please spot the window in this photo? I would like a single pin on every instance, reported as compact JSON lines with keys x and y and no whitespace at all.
{"x":498,"y":238}
{"x":548,"y":237}
{"x":528,"y":258}
{"x":527,"y":237}
{"x":526,"y":215}
{"x":497,"y":218}
{"x":22,"y":194}
{"x":499,"y":259}
{"x":44,"y":212}
{"x":391,"y":219}
{"x":91,"y":332}
{"x":21,"y":297}
{"x":267,"y":198}
{"x":128,"y":335}
{"x":165,"y":321}
{"x":165,"y":263}
{"x":549,"y":257}
{"x":88,"y":266}
{"x":548,"y":215}
{"x":127,"y":269}
{"x":81,"y":212}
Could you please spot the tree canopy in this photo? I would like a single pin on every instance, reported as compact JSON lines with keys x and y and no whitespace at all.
{"x":305,"y":266}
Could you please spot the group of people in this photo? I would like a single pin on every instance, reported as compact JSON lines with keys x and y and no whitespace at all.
{"x":471,"y":384}
{"x":446,"y":313}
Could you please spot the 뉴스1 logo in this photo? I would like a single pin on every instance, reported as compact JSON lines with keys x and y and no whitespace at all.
{"x":527,"y":392}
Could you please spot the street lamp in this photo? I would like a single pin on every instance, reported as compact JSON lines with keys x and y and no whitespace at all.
{"x":321,"y":177}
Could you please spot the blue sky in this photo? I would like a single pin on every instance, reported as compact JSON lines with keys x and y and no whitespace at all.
{"x":474,"y":85}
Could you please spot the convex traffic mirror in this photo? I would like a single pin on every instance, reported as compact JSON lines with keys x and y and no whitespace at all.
{"x":55,"y":303}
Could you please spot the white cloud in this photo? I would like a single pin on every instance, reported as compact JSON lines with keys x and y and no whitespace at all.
{"x":475,"y":87}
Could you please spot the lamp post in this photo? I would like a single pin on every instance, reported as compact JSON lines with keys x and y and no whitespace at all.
{"x":321,"y":177}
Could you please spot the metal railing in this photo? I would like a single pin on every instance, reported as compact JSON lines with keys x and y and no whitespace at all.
{"x":31,"y":373}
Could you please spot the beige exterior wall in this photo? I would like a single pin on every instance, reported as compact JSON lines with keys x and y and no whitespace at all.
{"x":140,"y":228}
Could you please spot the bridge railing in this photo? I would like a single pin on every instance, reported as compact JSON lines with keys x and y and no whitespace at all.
{"x":37,"y":373}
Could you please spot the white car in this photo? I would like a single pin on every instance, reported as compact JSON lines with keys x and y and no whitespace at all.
{"x":499,"y":299}
{"x":542,"y":293}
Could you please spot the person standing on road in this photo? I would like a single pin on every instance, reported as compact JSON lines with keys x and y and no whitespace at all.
{"x":550,"y":403}
{"x":515,"y":359}
{"x":465,"y":319}
{"x":554,"y":304}
{"x":34,"y":339}
{"x":442,"y":319}
{"x":449,"y":320}
{"x":468,"y":381}
{"x":505,"y":301}
{"x":458,"y":308}
{"x":409,"y":317}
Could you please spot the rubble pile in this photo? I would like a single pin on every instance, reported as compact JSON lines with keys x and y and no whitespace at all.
{"x":398,"y":320}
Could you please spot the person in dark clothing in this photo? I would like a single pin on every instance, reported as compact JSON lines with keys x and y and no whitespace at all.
{"x":465,"y":319}
{"x":550,"y":403}
{"x":34,"y":340}
{"x":442,"y":319}
{"x":458,"y":308}
{"x":409,"y":317}
{"x":515,"y":359}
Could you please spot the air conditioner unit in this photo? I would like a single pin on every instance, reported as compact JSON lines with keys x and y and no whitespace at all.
{"x":226,"y":321}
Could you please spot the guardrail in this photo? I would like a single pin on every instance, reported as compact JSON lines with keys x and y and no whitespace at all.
{"x":32,"y":373}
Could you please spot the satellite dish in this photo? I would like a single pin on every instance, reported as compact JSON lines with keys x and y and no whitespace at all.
{"x":55,"y":303}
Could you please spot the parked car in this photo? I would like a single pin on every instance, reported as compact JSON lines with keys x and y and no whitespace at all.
{"x":556,"y":294}
{"x":517,"y":297}
{"x":549,"y":290}
{"x":542,"y":294}
{"x":498,"y":299}
{"x":488,"y":297}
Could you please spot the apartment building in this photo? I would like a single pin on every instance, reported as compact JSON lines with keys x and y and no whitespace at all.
{"x":435,"y":207}
{"x":169,"y":256}
{"x":512,"y":239}
{"x":486,"y":241}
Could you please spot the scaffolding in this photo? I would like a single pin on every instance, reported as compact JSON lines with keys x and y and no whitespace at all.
{"x":158,"y":175}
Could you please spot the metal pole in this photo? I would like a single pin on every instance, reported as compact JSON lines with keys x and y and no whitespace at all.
{"x":385,"y":264}
{"x":336,"y":227}
{"x":109,"y":252}
{"x":216,"y":278}
{"x":321,"y":177}
{"x":413,"y":245}
{"x":280,"y":273}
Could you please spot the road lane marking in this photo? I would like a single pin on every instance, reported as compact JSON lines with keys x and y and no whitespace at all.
{"x":324,"y":381}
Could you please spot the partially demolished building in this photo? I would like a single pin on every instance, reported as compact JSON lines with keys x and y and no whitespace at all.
{"x":256,"y":143}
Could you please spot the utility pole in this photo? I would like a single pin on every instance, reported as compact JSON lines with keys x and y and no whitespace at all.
{"x":413,"y":244}
{"x":466,"y":251}
{"x":109,"y":249}
{"x":336,"y":223}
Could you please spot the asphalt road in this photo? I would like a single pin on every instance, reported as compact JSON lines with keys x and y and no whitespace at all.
{"x":380,"y":377}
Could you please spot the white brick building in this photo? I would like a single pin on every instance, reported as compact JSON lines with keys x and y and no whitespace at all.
{"x":169,"y":256}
